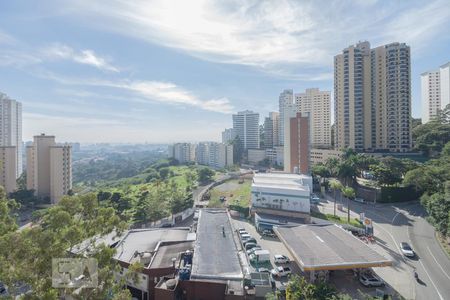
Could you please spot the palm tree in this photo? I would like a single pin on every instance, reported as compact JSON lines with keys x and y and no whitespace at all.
{"x":335,"y":185}
{"x":348,"y":193}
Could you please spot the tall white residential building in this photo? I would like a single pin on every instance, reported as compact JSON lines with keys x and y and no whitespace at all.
{"x":435,"y":91}
{"x":8,"y":167}
{"x":11,"y":127}
{"x":372,"y":91}
{"x":202,"y":155}
{"x":444,"y":71}
{"x":228,"y":135}
{"x":246,"y":126}
{"x":317,"y":104}
{"x":220,"y":155}
{"x":49,"y":168}
{"x":271,"y":130}
{"x":286,"y":99}
{"x":431,"y":95}
{"x":183,"y":152}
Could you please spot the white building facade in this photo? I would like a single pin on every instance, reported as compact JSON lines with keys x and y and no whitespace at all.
{"x":11,"y":127}
{"x":282,"y":192}
{"x":285,"y":99}
{"x":228,"y":135}
{"x":246,"y":127}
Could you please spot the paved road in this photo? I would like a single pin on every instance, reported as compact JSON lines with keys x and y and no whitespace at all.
{"x":405,"y":222}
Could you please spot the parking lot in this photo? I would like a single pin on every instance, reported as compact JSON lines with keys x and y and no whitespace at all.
{"x":344,"y":281}
{"x":271,"y":244}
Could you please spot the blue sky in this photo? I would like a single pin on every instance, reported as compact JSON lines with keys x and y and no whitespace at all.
{"x":165,"y":71}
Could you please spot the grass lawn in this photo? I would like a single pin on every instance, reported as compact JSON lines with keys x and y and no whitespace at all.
{"x":336,"y":219}
{"x":234,"y":193}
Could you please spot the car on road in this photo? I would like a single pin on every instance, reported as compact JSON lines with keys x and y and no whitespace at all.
{"x":166,"y":225}
{"x":370,"y":280}
{"x":315,"y":199}
{"x":248,"y":241}
{"x":280,"y":259}
{"x":281,"y":271}
{"x":245,"y":236}
{"x":360,"y":200}
{"x":406,"y":249}
{"x":269,"y":233}
{"x":249,"y":246}
{"x":252,"y":250}
{"x":241,"y":230}
{"x":263,"y":270}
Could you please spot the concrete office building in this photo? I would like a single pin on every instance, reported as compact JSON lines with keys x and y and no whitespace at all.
{"x":317,"y":104}
{"x":271,"y":130}
{"x":49,"y":168}
{"x":435,"y":87}
{"x":228,"y":135}
{"x":285,"y":101}
{"x":372,"y":90}
{"x":11,"y":127}
{"x":246,"y":127}
{"x":297,"y":146}
{"x":8,"y":168}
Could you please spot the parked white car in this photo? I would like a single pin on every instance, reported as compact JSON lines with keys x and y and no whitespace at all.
{"x":281,"y":271}
{"x":280,"y":259}
{"x":370,"y":280}
{"x":406,"y":249}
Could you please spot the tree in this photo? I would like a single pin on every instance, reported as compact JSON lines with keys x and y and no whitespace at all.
{"x":335,"y":185}
{"x":438,"y":208}
{"x":164,"y":173}
{"x":320,"y":170}
{"x":205,"y":174}
{"x":25,"y":256}
{"x":432,"y":136}
{"x":349,"y":193}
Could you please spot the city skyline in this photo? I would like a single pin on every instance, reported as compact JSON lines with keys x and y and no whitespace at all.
{"x":72,"y":68}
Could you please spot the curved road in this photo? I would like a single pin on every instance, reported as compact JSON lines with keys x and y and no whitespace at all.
{"x":404,"y":222}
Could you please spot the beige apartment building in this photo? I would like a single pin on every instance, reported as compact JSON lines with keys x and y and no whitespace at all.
{"x":317,"y":104}
{"x":8,"y":166}
{"x":320,"y":156}
{"x":372,"y":90}
{"x":49,"y":168}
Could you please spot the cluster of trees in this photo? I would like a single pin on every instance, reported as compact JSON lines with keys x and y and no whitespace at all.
{"x":431,"y":137}
{"x":387,"y":171}
{"x":433,"y":178}
{"x":163,"y":190}
{"x":26,"y":255}
{"x":113,"y":166}
{"x":300,"y":289}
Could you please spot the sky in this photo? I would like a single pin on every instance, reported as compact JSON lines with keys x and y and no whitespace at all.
{"x":166,"y":71}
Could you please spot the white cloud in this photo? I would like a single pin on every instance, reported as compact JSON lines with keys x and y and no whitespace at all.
{"x":87,"y":57}
{"x":270,"y":35}
{"x":6,"y":38}
{"x":164,"y":92}
{"x":170,"y":93}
